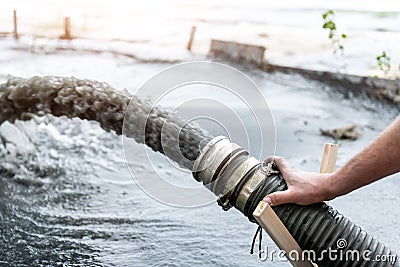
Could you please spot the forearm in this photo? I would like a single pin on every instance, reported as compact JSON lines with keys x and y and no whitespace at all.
{"x":379,"y":159}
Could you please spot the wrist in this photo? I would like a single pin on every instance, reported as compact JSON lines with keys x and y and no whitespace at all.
{"x":331,"y":190}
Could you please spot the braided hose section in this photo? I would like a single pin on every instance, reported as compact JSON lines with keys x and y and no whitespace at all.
{"x":319,"y":227}
{"x":97,"y":101}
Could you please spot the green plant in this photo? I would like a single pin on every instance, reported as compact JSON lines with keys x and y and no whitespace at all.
{"x":334,"y":36}
{"x":383,"y":61}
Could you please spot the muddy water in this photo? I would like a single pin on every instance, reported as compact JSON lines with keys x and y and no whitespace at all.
{"x":73,"y":201}
{"x":95,"y":101}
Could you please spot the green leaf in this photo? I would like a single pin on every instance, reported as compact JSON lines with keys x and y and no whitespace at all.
{"x":329,"y":25}
{"x":327,"y":13}
{"x":344,"y":36}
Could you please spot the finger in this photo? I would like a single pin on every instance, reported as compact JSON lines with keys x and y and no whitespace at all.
{"x":269,"y":159}
{"x":282,"y":165}
{"x":280,"y":197}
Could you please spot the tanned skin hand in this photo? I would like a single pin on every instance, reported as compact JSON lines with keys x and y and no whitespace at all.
{"x":378,"y":160}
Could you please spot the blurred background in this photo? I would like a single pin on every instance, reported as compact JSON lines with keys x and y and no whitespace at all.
{"x":290,"y":30}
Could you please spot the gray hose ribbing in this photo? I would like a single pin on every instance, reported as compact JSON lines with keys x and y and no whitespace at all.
{"x":96,"y":101}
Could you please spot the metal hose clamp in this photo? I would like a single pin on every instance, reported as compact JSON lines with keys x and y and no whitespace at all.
{"x":222,"y":167}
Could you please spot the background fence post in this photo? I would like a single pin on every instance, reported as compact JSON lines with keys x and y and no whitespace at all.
{"x":192,"y":32}
{"x":67,"y":28}
{"x":15,"y":25}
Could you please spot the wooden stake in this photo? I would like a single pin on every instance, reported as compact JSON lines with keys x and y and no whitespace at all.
{"x":16,"y":36}
{"x":192,"y":32}
{"x":329,"y":156}
{"x":328,"y":162}
{"x":67,"y":28}
{"x":269,"y":221}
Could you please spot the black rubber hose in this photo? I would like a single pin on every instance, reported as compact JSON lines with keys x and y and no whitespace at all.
{"x":318,"y":227}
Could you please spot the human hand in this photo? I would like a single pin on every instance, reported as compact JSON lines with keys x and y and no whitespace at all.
{"x":304,"y":188}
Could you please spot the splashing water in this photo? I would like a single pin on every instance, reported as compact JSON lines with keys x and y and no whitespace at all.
{"x":25,"y":232}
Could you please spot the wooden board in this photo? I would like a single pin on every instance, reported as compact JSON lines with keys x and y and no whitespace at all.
{"x":329,"y":156}
{"x":328,"y":162}
{"x":270,"y":222}
{"x":253,"y":54}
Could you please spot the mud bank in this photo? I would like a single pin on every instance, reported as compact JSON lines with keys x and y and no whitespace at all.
{"x":384,"y":90}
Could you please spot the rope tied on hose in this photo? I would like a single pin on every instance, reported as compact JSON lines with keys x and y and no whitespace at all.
{"x":260,"y":191}
{"x":255,"y":197}
{"x":259,"y":233}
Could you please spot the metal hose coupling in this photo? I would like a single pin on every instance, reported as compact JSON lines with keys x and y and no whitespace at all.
{"x":229,"y":172}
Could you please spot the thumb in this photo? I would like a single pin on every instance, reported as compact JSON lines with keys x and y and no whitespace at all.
{"x":279,"y":197}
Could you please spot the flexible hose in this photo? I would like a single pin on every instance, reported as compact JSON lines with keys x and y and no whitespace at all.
{"x":315,"y":227}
